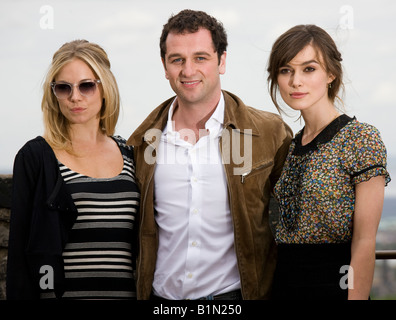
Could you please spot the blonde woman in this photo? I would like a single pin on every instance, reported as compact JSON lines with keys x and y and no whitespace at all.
{"x":74,"y":193}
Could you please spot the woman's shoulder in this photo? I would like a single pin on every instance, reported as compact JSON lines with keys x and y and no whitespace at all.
{"x":35,"y":146}
{"x":356,"y":133}
{"x":365,"y":152}
{"x":121,"y":141}
{"x":126,"y":150}
{"x":35,"y":153}
{"x":357,"y":128}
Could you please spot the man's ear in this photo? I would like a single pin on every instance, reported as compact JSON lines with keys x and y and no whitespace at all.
{"x":222,"y":64}
{"x":164,"y":64}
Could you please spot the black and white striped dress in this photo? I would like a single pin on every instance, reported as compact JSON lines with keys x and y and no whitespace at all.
{"x":99,"y":256}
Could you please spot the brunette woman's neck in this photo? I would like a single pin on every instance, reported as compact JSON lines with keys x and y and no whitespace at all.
{"x":315,"y":125}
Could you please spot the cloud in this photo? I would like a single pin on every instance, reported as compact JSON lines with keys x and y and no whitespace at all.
{"x":128,"y":19}
{"x":383,"y":93}
{"x":129,"y":31}
{"x":230,"y":18}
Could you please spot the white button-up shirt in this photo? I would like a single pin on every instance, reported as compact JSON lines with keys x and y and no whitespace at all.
{"x":196,"y":255}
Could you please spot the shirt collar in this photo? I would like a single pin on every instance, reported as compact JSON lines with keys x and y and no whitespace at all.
{"x":218,"y":114}
{"x":216,"y":121}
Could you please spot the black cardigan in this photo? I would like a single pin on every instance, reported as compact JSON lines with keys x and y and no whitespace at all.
{"x":42,"y":214}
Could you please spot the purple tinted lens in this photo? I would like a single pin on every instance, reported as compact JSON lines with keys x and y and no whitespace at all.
{"x":87,"y":88}
{"x":62,"y":90}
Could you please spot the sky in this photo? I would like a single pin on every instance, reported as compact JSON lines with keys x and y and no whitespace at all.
{"x":129,"y":31}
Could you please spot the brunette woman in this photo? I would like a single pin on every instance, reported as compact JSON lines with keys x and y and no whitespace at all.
{"x":331,"y":190}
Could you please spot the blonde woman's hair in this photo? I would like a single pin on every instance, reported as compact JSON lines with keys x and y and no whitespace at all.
{"x":56,"y":126}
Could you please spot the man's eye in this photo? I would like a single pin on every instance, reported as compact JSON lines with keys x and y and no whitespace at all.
{"x":309,"y":69}
{"x":178,"y":60}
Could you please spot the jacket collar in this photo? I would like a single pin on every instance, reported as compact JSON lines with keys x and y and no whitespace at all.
{"x":236,"y":116}
{"x":157,"y":119}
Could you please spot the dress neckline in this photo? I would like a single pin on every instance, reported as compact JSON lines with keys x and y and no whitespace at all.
{"x":323,"y":137}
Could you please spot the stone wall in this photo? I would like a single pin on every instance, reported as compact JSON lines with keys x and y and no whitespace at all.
{"x":5,"y":205}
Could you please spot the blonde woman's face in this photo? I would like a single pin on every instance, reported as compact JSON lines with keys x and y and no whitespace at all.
{"x":78,"y":108}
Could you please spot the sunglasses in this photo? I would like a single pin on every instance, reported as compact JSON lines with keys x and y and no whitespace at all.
{"x":63,"y":90}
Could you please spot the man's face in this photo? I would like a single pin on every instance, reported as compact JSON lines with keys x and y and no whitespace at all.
{"x":192,"y":67}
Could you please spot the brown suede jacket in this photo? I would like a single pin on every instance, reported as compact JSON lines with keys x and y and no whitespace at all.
{"x":254,"y":145}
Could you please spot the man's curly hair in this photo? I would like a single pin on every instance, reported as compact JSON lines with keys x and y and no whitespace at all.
{"x":190,"y":21}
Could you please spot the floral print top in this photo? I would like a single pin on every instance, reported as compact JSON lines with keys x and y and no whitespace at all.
{"x":316,"y":190}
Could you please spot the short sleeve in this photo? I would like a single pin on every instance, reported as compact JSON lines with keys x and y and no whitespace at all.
{"x":366,"y":155}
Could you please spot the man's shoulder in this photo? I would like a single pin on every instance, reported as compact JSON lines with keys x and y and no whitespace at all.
{"x":264,"y":115}
{"x":159,"y":110}
{"x":155,"y":120}
{"x":256,"y":115}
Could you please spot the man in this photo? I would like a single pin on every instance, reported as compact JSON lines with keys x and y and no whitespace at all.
{"x":206,"y":165}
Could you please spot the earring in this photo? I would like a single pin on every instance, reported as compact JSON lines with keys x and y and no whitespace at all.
{"x":329,"y":86}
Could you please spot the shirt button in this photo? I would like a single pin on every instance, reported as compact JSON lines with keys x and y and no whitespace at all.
{"x":189,"y":275}
{"x":194,"y":243}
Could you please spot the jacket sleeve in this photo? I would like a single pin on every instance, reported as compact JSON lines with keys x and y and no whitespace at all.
{"x":19,"y":283}
{"x":285,"y":135}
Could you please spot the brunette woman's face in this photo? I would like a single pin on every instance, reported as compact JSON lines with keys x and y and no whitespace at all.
{"x":303,"y":82}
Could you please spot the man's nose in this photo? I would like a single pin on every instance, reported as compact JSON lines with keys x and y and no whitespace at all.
{"x":188,"y":68}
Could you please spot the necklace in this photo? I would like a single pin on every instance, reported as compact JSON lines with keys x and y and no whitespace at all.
{"x":305,"y":138}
